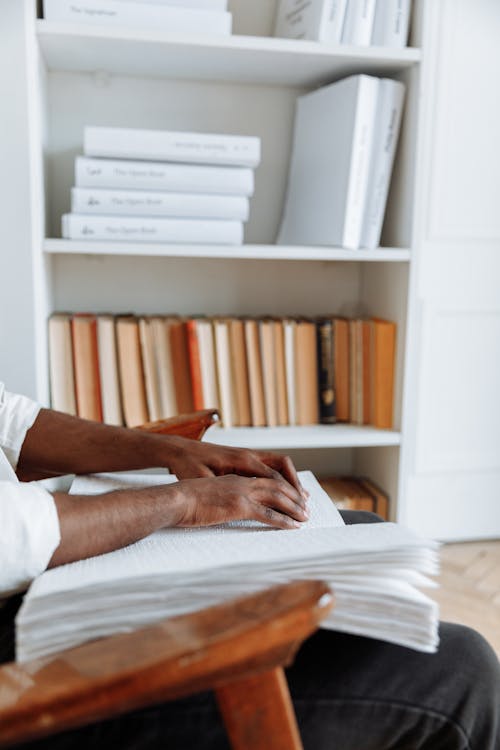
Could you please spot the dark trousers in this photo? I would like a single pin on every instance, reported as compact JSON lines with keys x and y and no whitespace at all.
{"x":349,"y":693}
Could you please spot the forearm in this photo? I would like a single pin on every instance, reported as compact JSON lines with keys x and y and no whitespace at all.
{"x":95,"y":524}
{"x":61,"y":444}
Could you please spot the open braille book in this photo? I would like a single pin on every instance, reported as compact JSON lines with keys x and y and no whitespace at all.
{"x":375,"y":571}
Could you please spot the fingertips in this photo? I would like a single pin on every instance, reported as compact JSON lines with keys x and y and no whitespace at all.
{"x":274,"y":518}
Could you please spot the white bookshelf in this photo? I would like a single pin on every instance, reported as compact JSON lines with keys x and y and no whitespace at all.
{"x":249,"y":252}
{"x":246,"y":84}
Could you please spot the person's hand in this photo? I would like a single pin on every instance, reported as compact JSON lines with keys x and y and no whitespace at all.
{"x":215,"y":500}
{"x":191,"y":458}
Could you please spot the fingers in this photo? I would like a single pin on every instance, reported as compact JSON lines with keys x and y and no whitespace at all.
{"x":283,"y":465}
{"x":271,"y":517}
{"x":281,"y":497}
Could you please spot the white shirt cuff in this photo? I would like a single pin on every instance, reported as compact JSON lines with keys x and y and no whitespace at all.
{"x":27,"y":545}
{"x":17,"y":414}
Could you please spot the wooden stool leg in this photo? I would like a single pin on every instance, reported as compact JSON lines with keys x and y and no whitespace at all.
{"x":258,"y":713}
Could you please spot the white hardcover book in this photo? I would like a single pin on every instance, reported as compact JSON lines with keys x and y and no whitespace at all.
{"x":201,"y":4}
{"x":138,"y":16}
{"x":386,"y":132}
{"x":330,"y":164}
{"x":176,"y":178}
{"x":318,"y":20}
{"x":148,"y":229}
{"x":358,"y":24}
{"x":168,"y":145}
{"x":154,"y":203}
{"x":108,"y":370}
{"x":391,"y":24}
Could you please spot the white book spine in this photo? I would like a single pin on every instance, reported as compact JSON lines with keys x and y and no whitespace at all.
{"x":334,"y":22}
{"x":201,"y":4}
{"x":392,"y":20}
{"x":358,"y":26}
{"x":164,"y":145}
{"x":144,"y":203}
{"x":361,"y":149}
{"x":386,"y":131}
{"x":146,"y":229}
{"x":148,"y":175}
{"x":138,"y":15}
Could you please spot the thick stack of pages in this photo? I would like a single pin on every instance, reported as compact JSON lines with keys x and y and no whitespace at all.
{"x":373,"y":569}
{"x":162,"y":186}
{"x":171,"y":16}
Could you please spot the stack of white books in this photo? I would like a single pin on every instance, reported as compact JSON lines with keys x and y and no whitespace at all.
{"x":362,"y":23}
{"x":345,"y":139}
{"x":375,"y":571}
{"x":162,"y":186}
{"x":171,"y":16}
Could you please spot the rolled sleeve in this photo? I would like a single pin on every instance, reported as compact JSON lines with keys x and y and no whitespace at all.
{"x":17,"y":414}
{"x":30,"y":534}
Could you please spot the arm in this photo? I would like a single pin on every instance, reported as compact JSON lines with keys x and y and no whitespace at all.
{"x":92,"y":525}
{"x":63,"y":444}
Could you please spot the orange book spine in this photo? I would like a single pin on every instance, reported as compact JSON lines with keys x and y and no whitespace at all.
{"x":195,"y":364}
{"x":86,"y":367}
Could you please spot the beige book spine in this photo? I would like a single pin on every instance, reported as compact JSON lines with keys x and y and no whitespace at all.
{"x":255,"y":373}
{"x":240,"y":372}
{"x":62,"y":379}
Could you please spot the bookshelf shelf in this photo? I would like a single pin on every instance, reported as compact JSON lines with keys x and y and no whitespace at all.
{"x":249,"y":252}
{"x":313,"y":436}
{"x":245,"y":59}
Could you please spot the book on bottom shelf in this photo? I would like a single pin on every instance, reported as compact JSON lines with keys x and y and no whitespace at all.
{"x":86,"y":366}
{"x":62,"y":378}
{"x":356,"y":493}
{"x":135,"y":408}
{"x":373,"y":569}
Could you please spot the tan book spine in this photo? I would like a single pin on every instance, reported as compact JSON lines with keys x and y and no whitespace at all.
{"x":150,"y":368}
{"x":86,"y":365}
{"x":108,"y":370}
{"x":306,"y":373}
{"x":383,"y":347}
{"x":224,"y":378}
{"x":266,"y":337}
{"x":366,"y":369}
{"x":341,"y":357}
{"x":62,"y":378}
{"x":381,"y":499}
{"x":180,"y":364}
{"x":240,"y":372}
{"x":289,"y":327}
{"x":208,"y":366}
{"x":255,"y":373}
{"x":167,"y":406}
{"x":279,"y":352}
{"x":131,"y":373}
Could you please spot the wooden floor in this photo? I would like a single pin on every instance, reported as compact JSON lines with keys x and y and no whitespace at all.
{"x":469,"y":590}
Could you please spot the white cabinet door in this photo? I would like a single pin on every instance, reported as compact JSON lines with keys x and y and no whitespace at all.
{"x":451,"y":485}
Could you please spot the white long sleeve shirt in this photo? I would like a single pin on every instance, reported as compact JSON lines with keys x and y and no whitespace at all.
{"x":29,"y":525}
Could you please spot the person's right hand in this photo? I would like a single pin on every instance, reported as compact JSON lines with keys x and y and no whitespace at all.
{"x":214,"y":500}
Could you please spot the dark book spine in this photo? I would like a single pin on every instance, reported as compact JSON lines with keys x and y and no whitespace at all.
{"x":326,"y":372}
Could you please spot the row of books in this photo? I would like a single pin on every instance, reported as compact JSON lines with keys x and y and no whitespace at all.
{"x":177,"y":177}
{"x":358,"y":22}
{"x":257,"y":371}
{"x":356,"y":493}
{"x":176,"y":16}
{"x":344,"y":145}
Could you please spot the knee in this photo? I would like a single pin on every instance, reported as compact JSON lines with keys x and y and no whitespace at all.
{"x":360,"y":516}
{"x":471,"y":656}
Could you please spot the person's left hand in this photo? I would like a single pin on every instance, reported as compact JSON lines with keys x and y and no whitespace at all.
{"x":191,"y":458}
